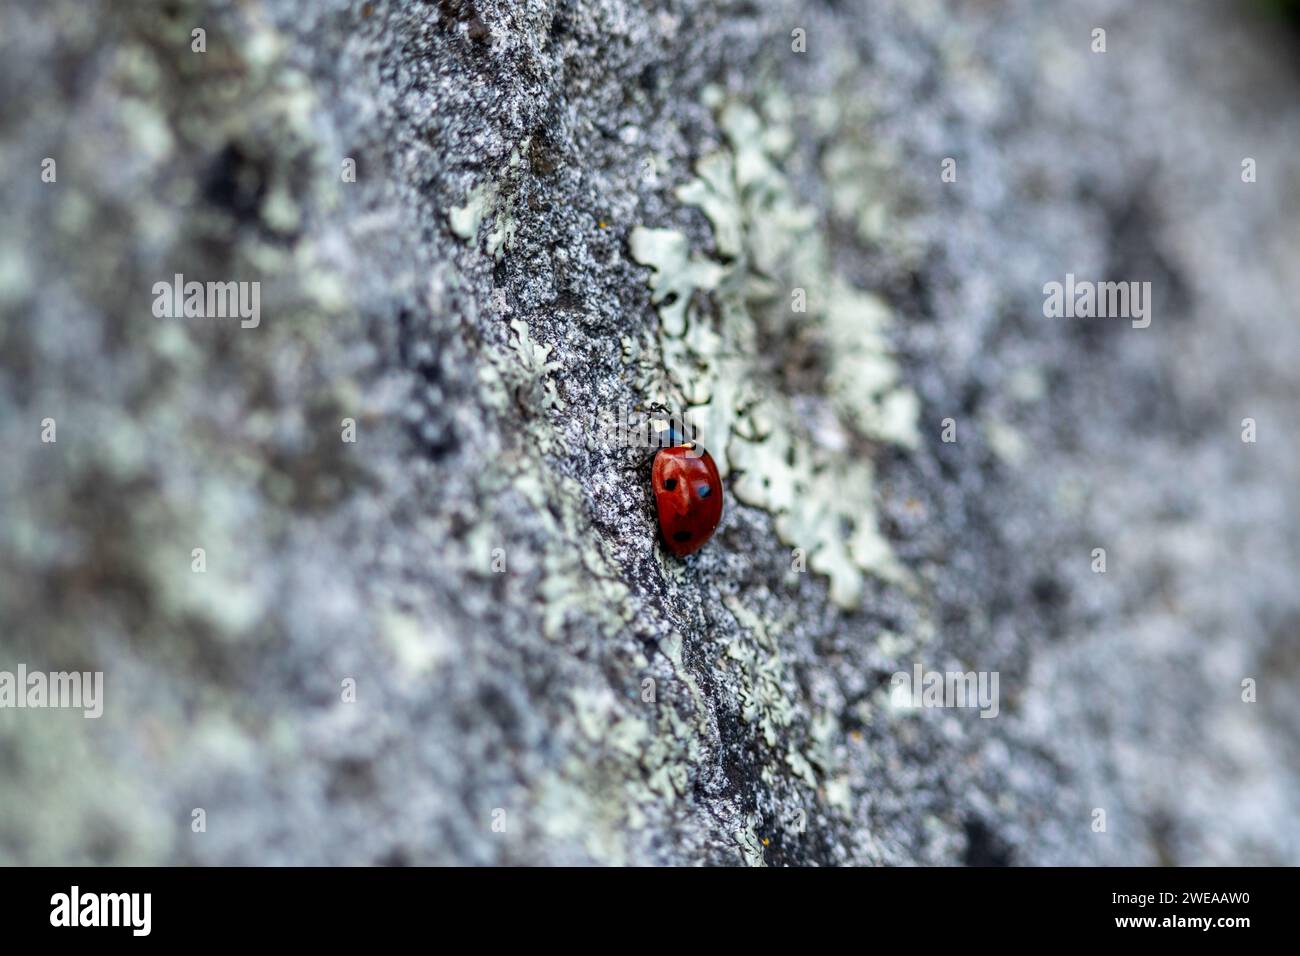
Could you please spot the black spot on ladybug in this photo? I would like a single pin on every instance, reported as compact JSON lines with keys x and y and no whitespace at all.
{"x":682,"y":536}
{"x":704,"y":491}
{"x":670,"y":485}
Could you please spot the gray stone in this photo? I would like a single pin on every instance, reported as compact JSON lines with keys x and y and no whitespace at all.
{"x":563,"y":210}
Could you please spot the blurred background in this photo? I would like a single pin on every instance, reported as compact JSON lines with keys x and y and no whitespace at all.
{"x":367,"y":586}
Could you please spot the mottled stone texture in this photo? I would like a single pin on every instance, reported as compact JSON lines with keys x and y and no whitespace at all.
{"x":524,"y":651}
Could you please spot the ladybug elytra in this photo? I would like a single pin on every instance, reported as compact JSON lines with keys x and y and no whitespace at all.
{"x":688,"y":495}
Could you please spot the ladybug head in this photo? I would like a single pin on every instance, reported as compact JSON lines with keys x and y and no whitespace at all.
{"x":673,"y":433}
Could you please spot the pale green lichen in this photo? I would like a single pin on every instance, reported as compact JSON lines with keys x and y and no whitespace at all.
{"x":770,"y":250}
{"x":676,"y":276}
{"x":531,"y":375}
{"x":820,"y":495}
{"x":1005,"y":440}
{"x":640,"y":754}
{"x":764,"y":702}
{"x":494,"y":200}
{"x":864,"y":191}
{"x":502,"y":236}
{"x":751,"y":849}
{"x":465,"y":219}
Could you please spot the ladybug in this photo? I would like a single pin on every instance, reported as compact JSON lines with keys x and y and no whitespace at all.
{"x":688,"y":495}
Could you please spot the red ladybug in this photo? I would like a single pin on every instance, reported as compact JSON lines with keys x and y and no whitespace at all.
{"x":688,"y":494}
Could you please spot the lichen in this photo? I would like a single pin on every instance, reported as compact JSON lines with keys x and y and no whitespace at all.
{"x":769,"y":252}
{"x":492,"y":200}
{"x":531,"y":374}
{"x":465,"y":219}
{"x":643,"y":753}
{"x":764,"y":702}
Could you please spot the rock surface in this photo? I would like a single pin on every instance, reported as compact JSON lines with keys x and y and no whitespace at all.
{"x":567,"y":210}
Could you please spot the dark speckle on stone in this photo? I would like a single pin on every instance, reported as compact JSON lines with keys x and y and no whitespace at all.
{"x":478,"y":30}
